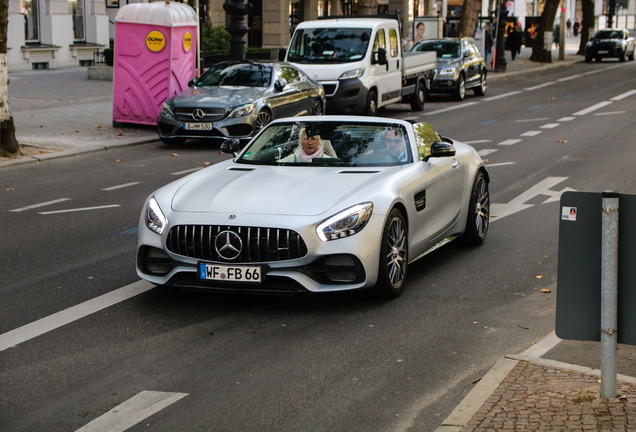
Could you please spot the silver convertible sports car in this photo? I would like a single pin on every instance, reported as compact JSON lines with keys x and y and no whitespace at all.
{"x":316,"y":204}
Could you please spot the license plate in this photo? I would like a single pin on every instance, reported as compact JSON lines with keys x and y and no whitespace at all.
{"x":229,"y":273}
{"x":197,"y":126}
{"x":603,"y":52}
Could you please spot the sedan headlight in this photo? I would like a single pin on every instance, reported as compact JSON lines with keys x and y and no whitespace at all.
{"x":356,"y":73}
{"x":243,"y":110}
{"x":345,"y":223}
{"x":155,"y":219}
{"x":167,"y":110}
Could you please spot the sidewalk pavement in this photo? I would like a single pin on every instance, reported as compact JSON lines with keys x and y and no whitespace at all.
{"x":553,"y":386}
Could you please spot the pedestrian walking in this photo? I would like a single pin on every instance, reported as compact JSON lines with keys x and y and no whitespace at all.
{"x":577,"y":26}
{"x":487,"y":43}
{"x":568,"y":27}
{"x":514,"y":41}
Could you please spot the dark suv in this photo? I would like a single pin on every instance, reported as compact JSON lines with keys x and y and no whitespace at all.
{"x":460,"y":66}
{"x":610,"y":43}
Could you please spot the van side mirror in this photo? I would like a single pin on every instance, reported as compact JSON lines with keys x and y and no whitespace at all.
{"x":379,"y":57}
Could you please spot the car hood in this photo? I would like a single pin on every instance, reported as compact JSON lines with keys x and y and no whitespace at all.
{"x":218,"y":96}
{"x":285,"y":190}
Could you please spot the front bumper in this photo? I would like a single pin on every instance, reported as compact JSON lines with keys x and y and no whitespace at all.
{"x":237,"y":127}
{"x":346,"y":96}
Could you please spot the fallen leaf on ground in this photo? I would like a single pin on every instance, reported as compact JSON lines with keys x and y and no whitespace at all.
{"x":562,"y":141}
{"x":522,"y":327}
{"x":545,"y":291}
{"x":98,"y":126}
{"x":538,"y":277}
{"x":117,"y":160}
{"x":9,"y":189}
{"x":175,"y":154}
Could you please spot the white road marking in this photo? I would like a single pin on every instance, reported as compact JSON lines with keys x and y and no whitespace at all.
{"x":500,"y":211}
{"x":509,"y":142}
{"x":566,"y":119}
{"x":571,"y":77}
{"x":486,"y":152}
{"x":623,"y":95}
{"x":592,"y":108}
{"x":609,"y":113}
{"x":501,"y":96}
{"x":550,"y":125}
{"x":477,"y":142}
{"x":188,"y":171}
{"x":121,"y":186}
{"x":451,"y":108}
{"x":39,"y":205}
{"x":539,"y":86}
{"x":531,"y":133}
{"x":133,"y":411}
{"x":79,"y":209}
{"x":74,"y":313}
{"x":500,"y":164}
{"x":532,"y":120}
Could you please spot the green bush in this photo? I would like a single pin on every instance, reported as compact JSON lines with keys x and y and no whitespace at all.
{"x":215,"y":39}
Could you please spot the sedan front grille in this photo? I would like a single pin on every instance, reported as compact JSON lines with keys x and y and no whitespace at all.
{"x":259,"y":244}
{"x":209,"y":114}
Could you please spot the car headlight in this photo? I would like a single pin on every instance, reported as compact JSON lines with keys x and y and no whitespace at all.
{"x":345,"y":223}
{"x":356,"y":73}
{"x":167,"y":110}
{"x":155,"y":219}
{"x":447,"y":71}
{"x":243,"y":110}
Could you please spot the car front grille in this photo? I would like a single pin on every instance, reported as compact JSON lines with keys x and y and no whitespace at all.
{"x":209,"y":114}
{"x":259,"y":244}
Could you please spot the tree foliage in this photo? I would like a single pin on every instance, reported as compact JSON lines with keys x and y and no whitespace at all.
{"x":8,"y":144}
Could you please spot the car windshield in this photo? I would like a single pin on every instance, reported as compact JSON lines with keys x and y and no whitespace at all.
{"x":444,"y":49}
{"x":329,"y":45}
{"x":237,"y":75}
{"x":609,"y":34}
{"x":329,"y":143}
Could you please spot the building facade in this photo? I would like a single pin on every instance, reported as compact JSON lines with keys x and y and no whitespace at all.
{"x":65,"y":33}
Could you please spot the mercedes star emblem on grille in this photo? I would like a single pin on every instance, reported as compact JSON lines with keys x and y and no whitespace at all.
{"x":228,"y":245}
{"x":198,"y":114}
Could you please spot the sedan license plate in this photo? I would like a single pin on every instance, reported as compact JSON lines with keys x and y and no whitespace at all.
{"x":603,"y":52}
{"x":197,"y":126}
{"x":224,"y":273}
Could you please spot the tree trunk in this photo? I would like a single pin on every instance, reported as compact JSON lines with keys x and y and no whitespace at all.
{"x":587,"y":24}
{"x":469,"y":18}
{"x":367,"y":7}
{"x":8,"y":144}
{"x":542,"y":49}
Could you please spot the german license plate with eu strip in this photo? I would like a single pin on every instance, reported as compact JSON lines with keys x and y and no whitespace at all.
{"x":197,"y":126}
{"x":223,"y":273}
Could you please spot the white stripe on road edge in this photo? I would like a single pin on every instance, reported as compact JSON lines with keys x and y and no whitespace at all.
{"x":121,"y":186}
{"x":188,"y":171}
{"x":509,"y":142}
{"x":40,"y":205}
{"x":79,"y":209}
{"x":52,"y":322}
{"x":133,"y":411}
{"x":531,"y":133}
{"x":623,"y":95}
{"x":452,"y":108}
{"x":592,"y":108}
{"x":500,"y":164}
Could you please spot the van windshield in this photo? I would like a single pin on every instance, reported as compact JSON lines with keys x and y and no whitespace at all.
{"x":329,"y":45}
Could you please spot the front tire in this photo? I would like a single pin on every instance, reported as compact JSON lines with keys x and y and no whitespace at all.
{"x":317,"y":109}
{"x":393,"y":256}
{"x":371,"y":108}
{"x":263,"y":118}
{"x":460,"y":89}
{"x":478,"y":218}
{"x":419,"y":97}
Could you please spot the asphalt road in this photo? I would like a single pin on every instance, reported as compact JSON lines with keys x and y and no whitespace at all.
{"x":169,"y":361}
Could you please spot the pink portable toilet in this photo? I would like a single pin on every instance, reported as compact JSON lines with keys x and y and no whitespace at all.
{"x":155,"y":57}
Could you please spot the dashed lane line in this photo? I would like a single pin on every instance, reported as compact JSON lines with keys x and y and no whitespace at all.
{"x":44,"y":204}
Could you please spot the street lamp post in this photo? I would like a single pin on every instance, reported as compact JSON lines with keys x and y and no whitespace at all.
{"x":238,"y":28}
{"x":500,"y":53}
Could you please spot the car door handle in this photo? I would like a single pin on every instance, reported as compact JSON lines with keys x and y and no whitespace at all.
{"x":455,"y":163}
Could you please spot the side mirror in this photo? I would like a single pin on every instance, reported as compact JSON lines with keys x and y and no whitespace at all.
{"x":379,"y":56}
{"x":280,"y":84}
{"x":192,"y":81}
{"x":441,"y":149}
{"x":231,"y":146}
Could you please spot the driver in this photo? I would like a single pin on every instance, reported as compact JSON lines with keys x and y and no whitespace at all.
{"x":394,"y":142}
{"x":311,"y":146}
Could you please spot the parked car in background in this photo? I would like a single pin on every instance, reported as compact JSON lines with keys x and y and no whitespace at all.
{"x":460,"y":66}
{"x":237,"y":99}
{"x":365,"y":197}
{"x":610,"y":43}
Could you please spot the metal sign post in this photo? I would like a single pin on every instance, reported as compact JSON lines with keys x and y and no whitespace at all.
{"x":609,"y":293}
